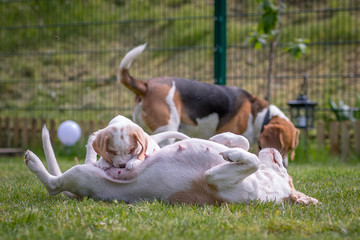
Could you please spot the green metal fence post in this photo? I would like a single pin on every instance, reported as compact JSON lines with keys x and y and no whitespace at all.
{"x":220,"y":42}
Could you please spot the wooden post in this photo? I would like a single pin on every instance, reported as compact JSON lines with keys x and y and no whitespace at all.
{"x":2,"y":135}
{"x":345,"y":140}
{"x":43,"y":122}
{"x":52,"y":130}
{"x":83,"y":130}
{"x":357,"y":137}
{"x":101,"y":124}
{"x":334,"y":137}
{"x":16,"y":132}
{"x":24,"y":132}
{"x":7,"y":132}
{"x":33,"y":131}
{"x":91,"y":127}
{"x":320,"y":132}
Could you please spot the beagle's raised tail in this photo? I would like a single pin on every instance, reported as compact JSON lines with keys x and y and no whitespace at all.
{"x":123,"y":76}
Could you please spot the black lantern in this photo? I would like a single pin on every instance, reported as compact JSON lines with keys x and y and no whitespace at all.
{"x":302,"y":110}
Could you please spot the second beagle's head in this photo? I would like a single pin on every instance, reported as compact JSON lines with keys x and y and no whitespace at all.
{"x":118,"y":143}
{"x":282,"y":135}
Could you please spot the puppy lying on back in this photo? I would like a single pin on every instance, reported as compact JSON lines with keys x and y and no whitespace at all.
{"x":124,"y":144}
{"x":192,"y":171}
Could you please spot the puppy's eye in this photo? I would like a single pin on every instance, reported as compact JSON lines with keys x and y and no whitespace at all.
{"x":130,"y":150}
{"x":112,"y":152}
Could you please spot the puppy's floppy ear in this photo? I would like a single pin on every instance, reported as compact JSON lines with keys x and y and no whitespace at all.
{"x":272,"y":136}
{"x":137,"y":136}
{"x":100,"y":145}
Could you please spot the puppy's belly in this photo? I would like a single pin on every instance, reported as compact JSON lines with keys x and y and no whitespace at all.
{"x":205,"y":127}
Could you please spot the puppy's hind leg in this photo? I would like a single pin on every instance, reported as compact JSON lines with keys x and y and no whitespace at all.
{"x":53,"y":166}
{"x":35,"y":165}
{"x":227,"y":175}
{"x":50,"y":182}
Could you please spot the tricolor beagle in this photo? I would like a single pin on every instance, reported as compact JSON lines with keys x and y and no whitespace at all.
{"x":192,"y":171}
{"x":202,"y":110}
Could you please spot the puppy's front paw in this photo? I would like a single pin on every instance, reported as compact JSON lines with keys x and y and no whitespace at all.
{"x":92,"y":137}
{"x":132,"y":164}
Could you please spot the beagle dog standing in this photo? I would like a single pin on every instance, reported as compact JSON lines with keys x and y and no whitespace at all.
{"x":191,"y":171}
{"x":202,"y":110}
{"x":124,"y":144}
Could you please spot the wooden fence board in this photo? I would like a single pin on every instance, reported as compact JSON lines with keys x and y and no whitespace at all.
{"x":345,"y":140}
{"x":24,"y":132}
{"x":52,"y":130}
{"x":320,"y":132}
{"x":33,"y":130}
{"x":2,"y":135}
{"x":7,"y":132}
{"x":334,"y":137}
{"x":357,"y":137}
{"x":16,"y":132}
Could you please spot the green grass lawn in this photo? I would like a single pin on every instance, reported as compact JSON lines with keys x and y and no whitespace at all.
{"x":27,"y":211}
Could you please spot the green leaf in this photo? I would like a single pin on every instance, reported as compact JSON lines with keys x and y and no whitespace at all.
{"x":297,"y":48}
{"x":256,"y":40}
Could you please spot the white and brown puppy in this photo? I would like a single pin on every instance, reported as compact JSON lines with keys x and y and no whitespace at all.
{"x":202,"y":110}
{"x":124,"y":144}
{"x":192,"y":171}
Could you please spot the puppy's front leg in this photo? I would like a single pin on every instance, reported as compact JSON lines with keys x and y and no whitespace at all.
{"x":242,"y":164}
{"x":90,"y":152}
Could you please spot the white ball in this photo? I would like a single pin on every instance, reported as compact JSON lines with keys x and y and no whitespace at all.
{"x":69,"y":132}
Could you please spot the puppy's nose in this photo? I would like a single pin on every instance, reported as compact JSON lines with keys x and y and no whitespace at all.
{"x":272,"y":152}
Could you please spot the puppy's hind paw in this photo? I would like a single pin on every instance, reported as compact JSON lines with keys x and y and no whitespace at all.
{"x":230,"y":155}
{"x":33,"y":162}
{"x":26,"y":156}
{"x":301,"y":198}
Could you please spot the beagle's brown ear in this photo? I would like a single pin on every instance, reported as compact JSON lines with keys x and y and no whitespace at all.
{"x":137,"y":136}
{"x":100,"y":145}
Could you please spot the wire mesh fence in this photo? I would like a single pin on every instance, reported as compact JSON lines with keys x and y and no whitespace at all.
{"x":59,"y":59}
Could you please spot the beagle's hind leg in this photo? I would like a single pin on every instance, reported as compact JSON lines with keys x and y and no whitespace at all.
{"x":241,"y":165}
{"x":231,"y":140}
